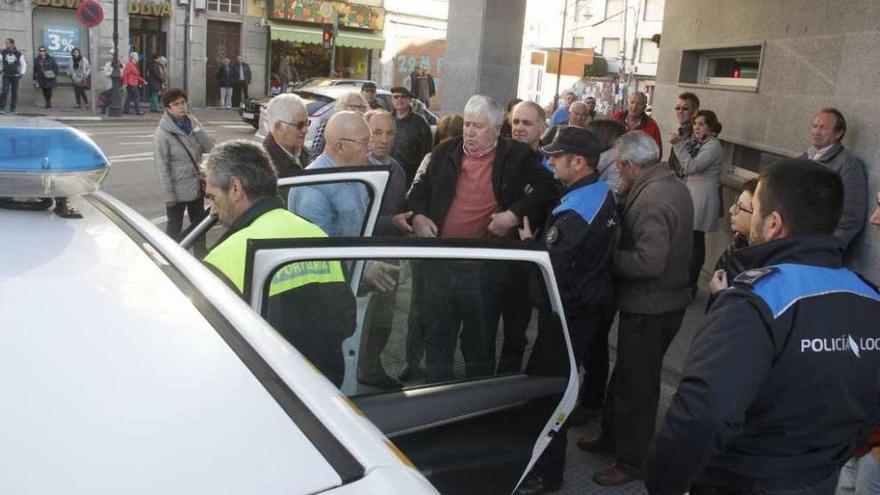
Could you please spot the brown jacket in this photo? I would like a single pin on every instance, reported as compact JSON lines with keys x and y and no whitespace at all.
{"x":651,"y":262}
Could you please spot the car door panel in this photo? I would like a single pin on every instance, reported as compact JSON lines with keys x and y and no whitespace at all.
{"x":471,"y":434}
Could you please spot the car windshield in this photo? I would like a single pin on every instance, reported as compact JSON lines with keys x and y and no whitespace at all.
{"x":314,"y":101}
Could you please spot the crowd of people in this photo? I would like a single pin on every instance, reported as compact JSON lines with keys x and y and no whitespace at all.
{"x":779,"y":388}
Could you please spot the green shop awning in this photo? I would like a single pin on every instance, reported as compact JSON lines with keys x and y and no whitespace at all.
{"x":308,"y":34}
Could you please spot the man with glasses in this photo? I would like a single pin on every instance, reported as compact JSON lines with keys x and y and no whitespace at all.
{"x":338,"y":208}
{"x":686,"y":107}
{"x":288,"y":125}
{"x":413,"y":139}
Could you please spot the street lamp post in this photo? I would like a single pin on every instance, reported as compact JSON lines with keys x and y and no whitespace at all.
{"x":115,"y":103}
{"x":559,"y":64}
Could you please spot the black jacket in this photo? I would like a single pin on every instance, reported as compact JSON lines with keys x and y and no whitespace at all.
{"x":154,"y":77}
{"x":515,"y":167}
{"x":412,"y":141}
{"x":580,"y":235}
{"x":236,"y":70}
{"x":781,"y":382}
{"x":284,"y":163}
{"x":226,"y":77}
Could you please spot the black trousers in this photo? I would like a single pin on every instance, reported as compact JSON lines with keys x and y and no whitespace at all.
{"x":10,"y":85}
{"x":585,"y":331}
{"x":462,"y":301}
{"x":698,"y":257}
{"x":415,"y":326}
{"x":196,"y":211}
{"x":239,"y":93}
{"x":595,"y":362}
{"x":80,"y":93}
{"x":634,"y":390}
{"x":376,"y":331}
{"x":516,"y":313}
{"x":132,"y":97}
{"x":47,"y":95}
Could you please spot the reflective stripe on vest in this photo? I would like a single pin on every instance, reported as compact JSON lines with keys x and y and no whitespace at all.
{"x":793,"y":282}
{"x":229,"y":256}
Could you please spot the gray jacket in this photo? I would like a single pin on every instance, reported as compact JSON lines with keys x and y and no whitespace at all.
{"x":177,"y":175}
{"x":855,"y":190}
{"x":702,"y":174}
{"x":394,"y":201}
{"x":651,"y":262}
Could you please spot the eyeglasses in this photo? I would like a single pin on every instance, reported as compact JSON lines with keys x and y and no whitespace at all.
{"x":363,"y":142}
{"x":739,"y":208}
{"x":299,"y":125}
{"x":42,"y":51}
{"x":682,"y":109}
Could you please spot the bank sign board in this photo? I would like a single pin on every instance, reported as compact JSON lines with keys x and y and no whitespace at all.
{"x":59,"y":41}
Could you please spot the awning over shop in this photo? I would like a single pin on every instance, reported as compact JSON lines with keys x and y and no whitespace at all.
{"x":308,"y":34}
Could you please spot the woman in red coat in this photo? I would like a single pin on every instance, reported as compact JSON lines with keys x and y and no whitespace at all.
{"x":132,"y":80}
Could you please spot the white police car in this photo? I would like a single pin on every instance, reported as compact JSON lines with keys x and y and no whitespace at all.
{"x":128,"y":367}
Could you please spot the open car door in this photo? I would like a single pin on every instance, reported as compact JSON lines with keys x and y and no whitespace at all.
{"x":469,"y":423}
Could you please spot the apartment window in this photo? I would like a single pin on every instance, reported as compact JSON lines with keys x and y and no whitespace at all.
{"x":613,"y":7}
{"x":611,"y":48}
{"x":582,"y":10}
{"x":736,"y":67}
{"x":228,"y":6}
{"x":577,"y":42}
{"x":648,"y":51}
{"x":654,"y":10}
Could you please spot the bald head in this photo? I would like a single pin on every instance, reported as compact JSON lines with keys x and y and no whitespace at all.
{"x":578,"y":114}
{"x":348,"y":139}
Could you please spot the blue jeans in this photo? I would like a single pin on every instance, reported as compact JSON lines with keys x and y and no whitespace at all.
{"x":133,"y":96}
{"x":860,"y":476}
{"x":9,"y":83}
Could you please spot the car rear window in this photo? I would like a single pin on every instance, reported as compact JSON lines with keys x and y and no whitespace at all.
{"x":314,"y":101}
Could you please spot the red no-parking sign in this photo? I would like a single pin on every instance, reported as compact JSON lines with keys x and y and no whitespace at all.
{"x":90,"y":13}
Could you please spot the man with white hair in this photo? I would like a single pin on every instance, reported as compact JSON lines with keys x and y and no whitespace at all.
{"x":650,"y":267}
{"x":288,"y":123}
{"x":474,"y":187}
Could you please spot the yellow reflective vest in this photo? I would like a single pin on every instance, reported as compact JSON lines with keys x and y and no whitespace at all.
{"x":278,"y":223}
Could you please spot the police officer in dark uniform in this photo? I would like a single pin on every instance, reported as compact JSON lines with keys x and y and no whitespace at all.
{"x":781,"y":382}
{"x":579,"y":235}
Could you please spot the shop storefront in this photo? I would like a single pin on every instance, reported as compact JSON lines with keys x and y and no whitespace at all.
{"x":146,"y":33}
{"x":296,"y":29}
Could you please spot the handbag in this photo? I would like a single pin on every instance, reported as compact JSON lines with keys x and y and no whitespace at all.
{"x":49,"y":74}
{"x":195,"y":164}
{"x":86,"y":82}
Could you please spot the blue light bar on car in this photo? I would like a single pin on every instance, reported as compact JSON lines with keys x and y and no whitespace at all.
{"x":43,"y":158}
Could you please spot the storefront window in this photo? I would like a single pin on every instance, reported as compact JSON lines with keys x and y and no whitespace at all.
{"x":228,"y":6}
{"x":60,"y":32}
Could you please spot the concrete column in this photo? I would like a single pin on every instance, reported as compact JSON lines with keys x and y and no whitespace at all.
{"x":483,"y":47}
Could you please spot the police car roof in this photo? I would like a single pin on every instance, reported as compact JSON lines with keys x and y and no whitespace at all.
{"x":116,"y":376}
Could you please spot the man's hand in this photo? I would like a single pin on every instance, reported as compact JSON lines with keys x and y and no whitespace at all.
{"x":718,"y":282}
{"x":400,"y":222}
{"x":525,"y":233}
{"x":424,"y":227}
{"x":381,"y":275}
{"x":503,"y":223}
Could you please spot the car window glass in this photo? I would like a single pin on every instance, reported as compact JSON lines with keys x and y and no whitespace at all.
{"x":415,"y":323}
{"x":339,"y":208}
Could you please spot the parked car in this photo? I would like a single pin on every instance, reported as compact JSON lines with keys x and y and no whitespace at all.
{"x":319,"y":100}
{"x":128,"y":366}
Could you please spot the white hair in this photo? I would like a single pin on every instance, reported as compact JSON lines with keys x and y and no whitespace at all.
{"x":349,"y":98}
{"x":282,"y":107}
{"x":379,"y":112}
{"x":639,"y":148}
{"x":133,"y":56}
{"x":486,"y":107}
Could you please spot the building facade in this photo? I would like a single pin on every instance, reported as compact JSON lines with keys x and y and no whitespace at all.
{"x":620,"y":34}
{"x":766,"y":69}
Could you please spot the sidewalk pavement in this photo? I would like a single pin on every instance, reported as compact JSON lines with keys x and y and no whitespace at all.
{"x":73,"y":114}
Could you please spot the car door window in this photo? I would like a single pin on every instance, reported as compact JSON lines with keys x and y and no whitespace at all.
{"x":443,"y":347}
{"x":360,"y":187}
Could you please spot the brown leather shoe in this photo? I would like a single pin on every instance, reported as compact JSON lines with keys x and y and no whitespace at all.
{"x":617,"y":474}
{"x":593,"y":443}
